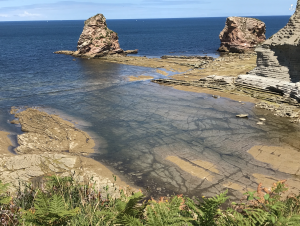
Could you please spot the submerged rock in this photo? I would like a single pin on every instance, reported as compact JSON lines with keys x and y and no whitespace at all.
{"x":278,"y":68}
{"x":242,"y":34}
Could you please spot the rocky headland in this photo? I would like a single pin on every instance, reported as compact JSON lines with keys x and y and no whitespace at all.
{"x":278,"y":68}
{"x":242,"y":34}
{"x":52,"y":146}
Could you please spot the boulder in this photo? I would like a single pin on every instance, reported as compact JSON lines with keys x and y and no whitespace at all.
{"x":278,"y":67}
{"x":242,"y":34}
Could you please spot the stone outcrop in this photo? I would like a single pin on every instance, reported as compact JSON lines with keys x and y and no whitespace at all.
{"x":135,"y":51}
{"x":242,"y":34}
{"x":40,"y":154}
{"x":278,"y":59}
{"x":34,"y":167}
{"x":96,"y":40}
{"x":44,"y":132}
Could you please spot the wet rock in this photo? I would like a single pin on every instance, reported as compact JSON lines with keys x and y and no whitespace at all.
{"x":242,"y":34}
{"x":131,"y":51}
{"x":15,"y":121}
{"x":242,"y":116}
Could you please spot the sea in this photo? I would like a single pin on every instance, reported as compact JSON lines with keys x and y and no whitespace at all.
{"x":150,"y":135}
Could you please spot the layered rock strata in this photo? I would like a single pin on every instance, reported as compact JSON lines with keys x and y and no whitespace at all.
{"x":96,"y":40}
{"x":40,"y":154}
{"x":49,"y":133}
{"x":278,"y":61}
{"x":242,"y":34}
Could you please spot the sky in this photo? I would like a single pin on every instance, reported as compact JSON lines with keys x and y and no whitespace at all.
{"x":23,"y":10}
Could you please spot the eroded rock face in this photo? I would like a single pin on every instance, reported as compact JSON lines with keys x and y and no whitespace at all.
{"x":278,"y":59}
{"x":96,"y":40}
{"x":242,"y":34}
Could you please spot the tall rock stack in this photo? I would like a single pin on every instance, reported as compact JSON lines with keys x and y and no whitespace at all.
{"x":242,"y":34}
{"x":278,"y":61}
{"x":96,"y":40}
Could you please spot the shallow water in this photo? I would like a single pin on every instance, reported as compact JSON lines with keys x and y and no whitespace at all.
{"x":137,"y":125}
{"x":165,"y":140}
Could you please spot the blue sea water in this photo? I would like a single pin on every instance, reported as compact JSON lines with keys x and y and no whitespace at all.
{"x":135,"y":124}
{"x":157,"y":37}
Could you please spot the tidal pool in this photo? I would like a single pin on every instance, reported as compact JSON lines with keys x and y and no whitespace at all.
{"x":164,"y":140}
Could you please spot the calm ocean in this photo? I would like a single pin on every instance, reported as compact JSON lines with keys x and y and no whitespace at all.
{"x":135,"y":124}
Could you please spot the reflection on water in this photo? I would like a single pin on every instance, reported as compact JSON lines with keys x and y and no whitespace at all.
{"x":167,"y":140}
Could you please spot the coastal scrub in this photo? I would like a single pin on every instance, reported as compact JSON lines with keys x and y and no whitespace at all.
{"x":64,"y":201}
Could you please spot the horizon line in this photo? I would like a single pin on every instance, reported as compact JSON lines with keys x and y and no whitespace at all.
{"x":142,"y":18}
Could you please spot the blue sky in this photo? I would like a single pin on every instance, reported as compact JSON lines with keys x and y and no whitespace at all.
{"x":21,"y":10}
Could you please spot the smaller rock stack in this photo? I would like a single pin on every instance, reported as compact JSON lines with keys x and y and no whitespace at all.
{"x":242,"y":34}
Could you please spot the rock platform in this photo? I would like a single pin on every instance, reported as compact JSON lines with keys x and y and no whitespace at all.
{"x":52,"y":146}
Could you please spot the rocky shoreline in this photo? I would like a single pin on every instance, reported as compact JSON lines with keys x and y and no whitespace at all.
{"x":280,"y":105}
{"x":52,"y":146}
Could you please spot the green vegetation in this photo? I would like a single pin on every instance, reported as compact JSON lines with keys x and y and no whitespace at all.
{"x":63,"y":201}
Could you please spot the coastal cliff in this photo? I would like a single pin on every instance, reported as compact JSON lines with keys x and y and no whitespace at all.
{"x":278,"y":67}
{"x":96,"y":40}
{"x":242,"y":34}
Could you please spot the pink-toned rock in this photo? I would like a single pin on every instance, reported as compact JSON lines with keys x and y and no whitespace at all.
{"x":96,"y":40}
{"x":242,"y":34}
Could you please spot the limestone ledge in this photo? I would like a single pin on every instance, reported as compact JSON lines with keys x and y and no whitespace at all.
{"x":33,"y":167}
{"x":281,"y":86}
{"x":52,"y":146}
{"x":235,"y":88}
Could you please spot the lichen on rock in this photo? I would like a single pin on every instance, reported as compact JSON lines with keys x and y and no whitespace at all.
{"x":242,"y":34}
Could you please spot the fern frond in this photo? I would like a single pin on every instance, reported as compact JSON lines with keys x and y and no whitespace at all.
{"x":4,"y":198}
{"x":166,"y":213}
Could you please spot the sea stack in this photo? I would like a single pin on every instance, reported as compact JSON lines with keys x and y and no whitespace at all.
{"x":278,"y":61}
{"x":96,"y":40}
{"x":242,"y":34}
